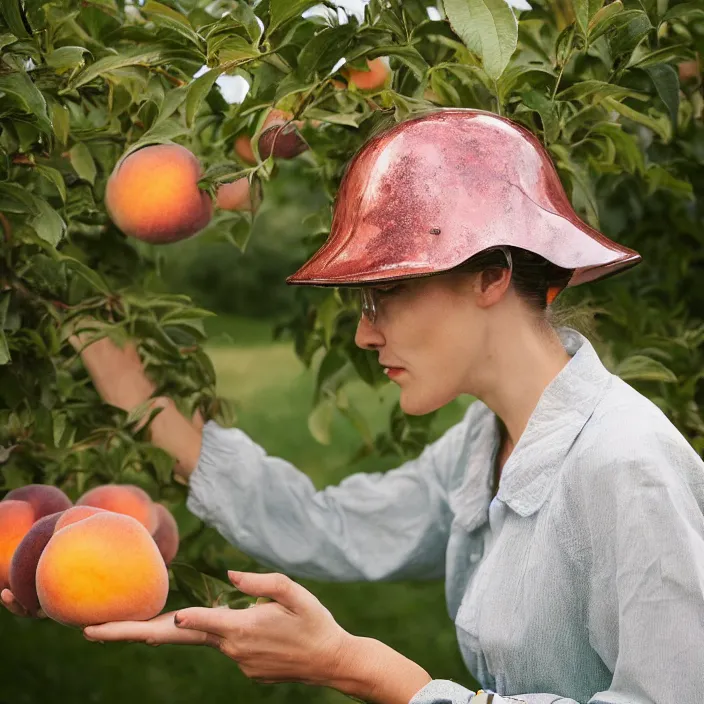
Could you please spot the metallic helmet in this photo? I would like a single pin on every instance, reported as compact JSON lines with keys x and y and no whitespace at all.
{"x":431,"y":192}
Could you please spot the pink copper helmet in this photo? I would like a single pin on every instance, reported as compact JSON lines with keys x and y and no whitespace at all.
{"x":431,"y":192}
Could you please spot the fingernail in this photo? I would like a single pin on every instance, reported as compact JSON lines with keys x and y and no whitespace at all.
{"x":178,"y":619}
{"x":235,"y":577}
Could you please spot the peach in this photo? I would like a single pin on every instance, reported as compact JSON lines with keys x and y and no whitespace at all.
{"x":166,"y":535}
{"x":283,"y":141}
{"x":243,"y":149}
{"x":16,"y":519}
{"x":123,"y":498}
{"x":23,"y":568}
{"x":235,"y":195}
{"x":74,"y":514}
{"x":153,"y":194}
{"x":373,"y":79}
{"x":104,"y":568}
{"x":44,"y":498}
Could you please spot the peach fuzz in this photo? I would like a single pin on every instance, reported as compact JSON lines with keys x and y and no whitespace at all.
{"x":153,"y":195}
{"x":166,"y":536}
{"x":44,"y":498}
{"x":23,"y":568}
{"x":74,"y":514}
{"x":123,"y":498}
{"x":104,"y":568}
{"x":16,"y":519}
{"x":372,"y":79}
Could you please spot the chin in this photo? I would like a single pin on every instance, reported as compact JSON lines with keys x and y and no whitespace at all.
{"x":422,"y":404}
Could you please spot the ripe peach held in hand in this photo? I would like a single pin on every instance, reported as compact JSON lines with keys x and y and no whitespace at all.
{"x":123,"y":498}
{"x":44,"y":498}
{"x":23,"y":568}
{"x":16,"y":519}
{"x":153,"y":194}
{"x":104,"y":568}
{"x":166,"y":535}
{"x":75,"y":514}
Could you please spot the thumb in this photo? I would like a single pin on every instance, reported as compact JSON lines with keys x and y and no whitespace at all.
{"x":272,"y":586}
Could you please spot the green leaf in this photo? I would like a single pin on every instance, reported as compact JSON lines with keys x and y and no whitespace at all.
{"x":658,"y":178}
{"x":353,"y":119}
{"x":603,"y":19}
{"x":628,"y":151}
{"x":199,"y":88}
{"x":4,"y":350}
{"x":12,"y":12}
{"x":324,"y":49}
{"x":545,"y":107}
{"x":204,"y":590}
{"x":661,"y":127}
{"x":667,"y":84}
{"x":86,"y":273}
{"x":6,"y":39}
{"x":82,"y":162}
{"x":668,"y":53}
{"x":627,"y":31}
{"x":48,"y":224}
{"x":244,"y":14}
{"x":66,"y":57}
{"x":19,"y":87}
{"x":165,"y":16}
{"x":518,"y":72}
{"x":232,"y":50}
{"x":53,"y":175}
{"x":638,"y":367}
{"x":408,"y":55}
{"x":320,"y":421}
{"x":684,"y":10}
{"x":488,"y":28}
{"x":152,"y":57}
{"x":60,"y":121}
{"x":584,"y":10}
{"x":281,"y":11}
{"x":599,"y":89}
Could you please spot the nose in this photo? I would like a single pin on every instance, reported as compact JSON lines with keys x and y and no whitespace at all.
{"x":368,"y":335}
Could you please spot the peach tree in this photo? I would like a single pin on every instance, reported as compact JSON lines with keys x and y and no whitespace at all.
{"x":613,"y":89}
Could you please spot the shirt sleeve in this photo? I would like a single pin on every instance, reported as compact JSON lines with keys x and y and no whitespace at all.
{"x":376,"y":526}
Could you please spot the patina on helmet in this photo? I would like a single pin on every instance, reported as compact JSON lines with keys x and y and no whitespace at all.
{"x":433,"y":191}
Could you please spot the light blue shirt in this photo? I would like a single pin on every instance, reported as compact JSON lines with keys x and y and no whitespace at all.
{"x":581,"y":581}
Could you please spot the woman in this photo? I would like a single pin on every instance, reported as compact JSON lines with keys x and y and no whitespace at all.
{"x":564,"y":511}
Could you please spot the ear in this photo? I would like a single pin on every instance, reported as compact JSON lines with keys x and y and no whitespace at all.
{"x":490,"y":286}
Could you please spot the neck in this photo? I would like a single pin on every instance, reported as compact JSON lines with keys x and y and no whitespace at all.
{"x":518,"y":367}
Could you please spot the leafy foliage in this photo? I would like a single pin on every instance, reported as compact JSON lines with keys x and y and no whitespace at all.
{"x":82,"y":84}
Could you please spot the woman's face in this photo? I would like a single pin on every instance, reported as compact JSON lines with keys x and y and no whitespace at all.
{"x":427,"y":333}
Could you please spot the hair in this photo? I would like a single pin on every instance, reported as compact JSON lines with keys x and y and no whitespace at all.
{"x":536,"y":280}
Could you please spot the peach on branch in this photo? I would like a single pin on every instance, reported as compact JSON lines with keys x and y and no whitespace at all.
{"x":153,"y":194}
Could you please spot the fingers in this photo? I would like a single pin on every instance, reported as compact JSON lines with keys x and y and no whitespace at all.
{"x":158,"y":631}
{"x":11,"y":604}
{"x":273,"y":585}
{"x":216,"y":623}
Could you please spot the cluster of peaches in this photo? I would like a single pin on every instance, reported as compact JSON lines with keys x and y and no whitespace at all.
{"x":104,"y":559}
{"x":153,"y":193}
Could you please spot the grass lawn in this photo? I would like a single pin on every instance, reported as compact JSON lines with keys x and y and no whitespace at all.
{"x":42,"y":661}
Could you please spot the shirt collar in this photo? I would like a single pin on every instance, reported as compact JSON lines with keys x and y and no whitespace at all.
{"x":562,"y":411}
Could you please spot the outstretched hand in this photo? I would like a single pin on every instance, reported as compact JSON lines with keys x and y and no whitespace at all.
{"x":293,"y":638}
